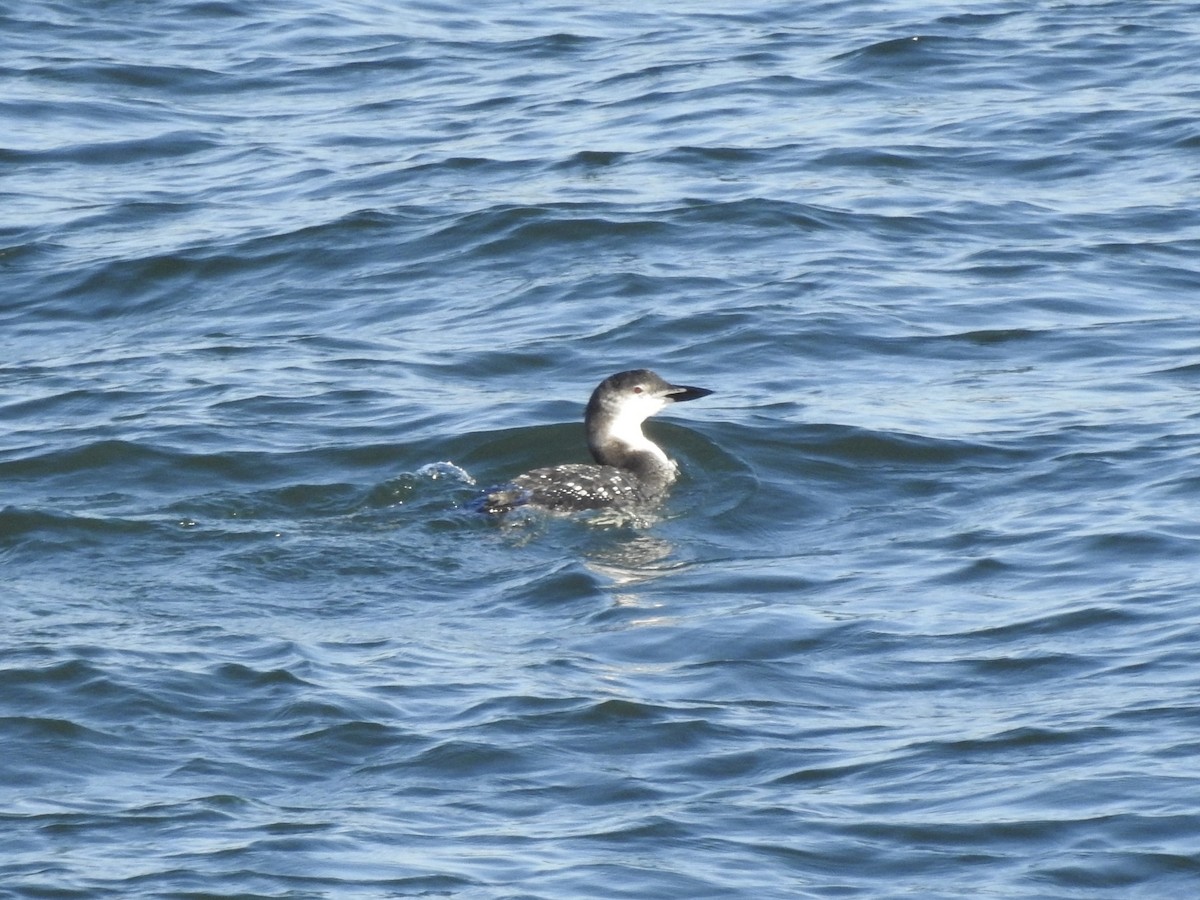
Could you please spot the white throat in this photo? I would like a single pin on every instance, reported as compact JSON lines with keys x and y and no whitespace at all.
{"x":626,"y":427}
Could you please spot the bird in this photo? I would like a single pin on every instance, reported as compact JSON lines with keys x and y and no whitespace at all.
{"x":630,"y":472}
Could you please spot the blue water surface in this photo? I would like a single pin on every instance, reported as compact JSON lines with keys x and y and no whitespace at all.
{"x":282,"y":286}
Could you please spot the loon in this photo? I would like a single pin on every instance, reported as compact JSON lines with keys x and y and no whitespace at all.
{"x":631,"y":469}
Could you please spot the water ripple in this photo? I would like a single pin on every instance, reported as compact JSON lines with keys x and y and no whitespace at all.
{"x":280,"y":293}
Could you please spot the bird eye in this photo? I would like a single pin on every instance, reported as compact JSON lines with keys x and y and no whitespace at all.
{"x":637,"y":388}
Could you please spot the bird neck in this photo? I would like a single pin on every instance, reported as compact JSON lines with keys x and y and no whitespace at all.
{"x":619,"y":442}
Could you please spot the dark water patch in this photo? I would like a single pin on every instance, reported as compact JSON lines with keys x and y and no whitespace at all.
{"x":501,"y":231}
{"x":1035,"y":665}
{"x":976,"y":19}
{"x":1141,"y":545}
{"x":1187,"y":371}
{"x":1123,"y":870}
{"x":149,"y":691}
{"x":212,"y":9}
{"x":118,"y":153}
{"x":655,"y":829}
{"x":984,"y":570}
{"x":459,"y":758}
{"x":248,"y":487}
{"x":927,"y":55}
{"x":756,"y":213}
{"x":1061,"y":622}
{"x":348,"y":743}
{"x":241,"y":677}
{"x":620,"y":878}
{"x":656,"y":73}
{"x":180,"y":79}
{"x":551,"y":45}
{"x":118,"y":461}
{"x":817,"y":775}
{"x":30,"y":729}
{"x":141,"y":285}
{"x":509,"y":452}
{"x":848,"y":445}
{"x":53,"y":111}
{"x":77,"y":404}
{"x":456,"y":166}
{"x":716,"y":158}
{"x":304,"y":501}
{"x":988,"y":337}
{"x":559,"y":589}
{"x":593,"y":159}
{"x":42,"y":530}
{"x":517,"y":712}
{"x":397,"y":58}
{"x":52,"y":756}
{"x":541,"y":229}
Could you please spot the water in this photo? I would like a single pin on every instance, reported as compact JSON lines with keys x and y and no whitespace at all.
{"x":918,"y":620}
